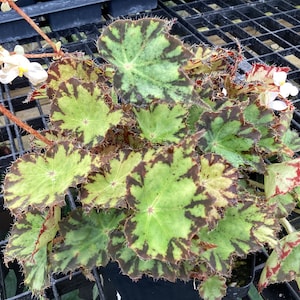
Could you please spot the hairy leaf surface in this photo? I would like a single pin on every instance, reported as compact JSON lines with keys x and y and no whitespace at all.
{"x":147,"y":59}
{"x":41,"y":180}
{"x":135,"y":267}
{"x":22,"y":244}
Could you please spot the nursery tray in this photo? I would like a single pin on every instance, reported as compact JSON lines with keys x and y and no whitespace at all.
{"x":269,"y":31}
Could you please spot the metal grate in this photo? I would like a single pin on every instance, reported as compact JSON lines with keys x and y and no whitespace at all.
{"x":269,"y":31}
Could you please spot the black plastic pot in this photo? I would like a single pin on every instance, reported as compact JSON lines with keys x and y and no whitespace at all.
{"x":147,"y":289}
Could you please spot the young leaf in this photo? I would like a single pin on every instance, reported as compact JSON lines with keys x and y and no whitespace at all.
{"x":108,"y":189}
{"x":85,"y":240}
{"x":49,"y":228}
{"x":263,"y":120}
{"x":162,"y":122}
{"x":282,"y":177}
{"x":167,"y":209}
{"x":284,"y":263}
{"x":21,"y":246}
{"x":213,"y":288}
{"x":135,"y":267}
{"x":219,"y":179}
{"x":229,"y":135}
{"x":84,"y":109}
{"x":243,"y":229}
{"x":41,"y":180}
{"x":66,"y":68}
{"x":147,"y":59}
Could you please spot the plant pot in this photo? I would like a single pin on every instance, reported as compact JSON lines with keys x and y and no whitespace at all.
{"x":148,"y":289}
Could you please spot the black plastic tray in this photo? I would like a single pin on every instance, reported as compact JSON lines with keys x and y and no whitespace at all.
{"x":268,"y":31}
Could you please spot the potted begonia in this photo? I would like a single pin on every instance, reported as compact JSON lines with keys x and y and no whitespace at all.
{"x":180,"y":163}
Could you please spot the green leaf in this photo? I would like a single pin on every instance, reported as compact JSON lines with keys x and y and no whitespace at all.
{"x":69,"y":67}
{"x":85,"y":240}
{"x":286,"y":203}
{"x":84,"y":109}
{"x":167,"y":208}
{"x":21,"y":246}
{"x":135,"y":267}
{"x":291,"y":139}
{"x":219,"y":179}
{"x":243,"y":229}
{"x":213,"y":288}
{"x":281,"y":178}
{"x":10,"y":283}
{"x":284,"y":263}
{"x":148,"y":61}
{"x":230,"y":136}
{"x":36,"y":272}
{"x":162,"y":122}
{"x":108,"y":189}
{"x":41,"y":180}
{"x":264,"y":121}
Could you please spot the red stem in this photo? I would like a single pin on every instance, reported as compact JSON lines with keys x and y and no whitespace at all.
{"x":34,"y":26}
{"x":23,"y":125}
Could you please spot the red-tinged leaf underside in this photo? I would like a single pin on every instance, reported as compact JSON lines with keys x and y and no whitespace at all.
{"x":282,"y":178}
{"x":72,"y":67}
{"x":208,"y":60}
{"x":213,"y":288}
{"x":41,"y":180}
{"x":167,"y":209}
{"x":21,"y":246}
{"x":284,"y":263}
{"x":85,"y":110}
{"x":264,"y":73}
{"x":108,"y":189}
{"x":148,"y":61}
{"x":85,"y":240}
{"x":243,"y":229}
{"x":135,"y":267}
{"x":229,"y":135}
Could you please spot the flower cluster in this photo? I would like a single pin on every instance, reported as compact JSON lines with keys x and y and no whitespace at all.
{"x":272,"y":85}
{"x":18,"y":65}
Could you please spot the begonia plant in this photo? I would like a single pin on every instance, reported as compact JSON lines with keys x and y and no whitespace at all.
{"x":179,"y":161}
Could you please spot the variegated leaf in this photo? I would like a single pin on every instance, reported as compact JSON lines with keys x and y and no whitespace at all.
{"x":147,"y":61}
{"x":41,"y":180}
{"x":167,"y":208}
